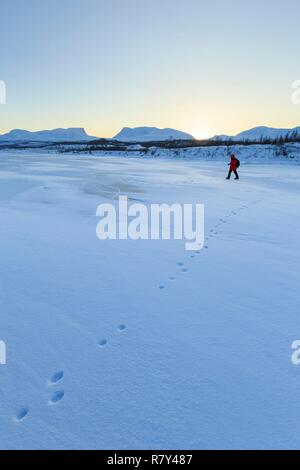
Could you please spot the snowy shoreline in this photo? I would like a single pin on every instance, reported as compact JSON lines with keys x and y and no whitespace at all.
{"x":257,"y":153}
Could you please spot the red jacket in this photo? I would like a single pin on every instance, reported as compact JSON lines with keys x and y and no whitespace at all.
{"x":233,"y":164}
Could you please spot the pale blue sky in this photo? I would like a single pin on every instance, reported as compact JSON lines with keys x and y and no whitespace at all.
{"x":200,"y":66}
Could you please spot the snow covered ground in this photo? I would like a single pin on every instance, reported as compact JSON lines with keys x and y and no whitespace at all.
{"x":99,"y":355}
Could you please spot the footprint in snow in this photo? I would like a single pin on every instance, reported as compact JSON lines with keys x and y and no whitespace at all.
{"x":57,"y":397}
{"x":56,"y":377}
{"x":172,"y":279}
{"x":122,"y":327}
{"x":180,"y":264}
{"x":22,"y":413}
{"x":184,"y":270}
{"x":102,"y":343}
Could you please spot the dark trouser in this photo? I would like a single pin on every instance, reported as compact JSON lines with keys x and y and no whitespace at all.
{"x":235,"y":172}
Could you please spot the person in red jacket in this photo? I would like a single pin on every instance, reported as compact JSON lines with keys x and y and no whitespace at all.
{"x":234,"y":164}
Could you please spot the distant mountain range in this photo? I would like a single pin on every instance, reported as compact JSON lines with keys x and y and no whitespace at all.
{"x":141,"y":134}
{"x":138,"y":134}
{"x":150,"y":134}
{"x":260,"y":133}
{"x":55,"y":135}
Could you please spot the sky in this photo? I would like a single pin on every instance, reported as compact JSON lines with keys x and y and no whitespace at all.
{"x":204,"y":67}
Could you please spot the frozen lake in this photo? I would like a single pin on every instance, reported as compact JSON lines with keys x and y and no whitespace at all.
{"x":141,"y":344}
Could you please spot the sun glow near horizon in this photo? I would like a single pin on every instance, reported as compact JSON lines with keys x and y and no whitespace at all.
{"x":200,"y":134}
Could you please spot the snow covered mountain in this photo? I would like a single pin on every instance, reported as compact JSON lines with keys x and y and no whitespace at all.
{"x":141,"y":134}
{"x":150,"y":134}
{"x":258,"y":133}
{"x":55,"y":135}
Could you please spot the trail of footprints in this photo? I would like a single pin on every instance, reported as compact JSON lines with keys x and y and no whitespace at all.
{"x":103,"y":342}
{"x":57,"y":377}
{"x":212,"y":233}
{"x":57,"y":395}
